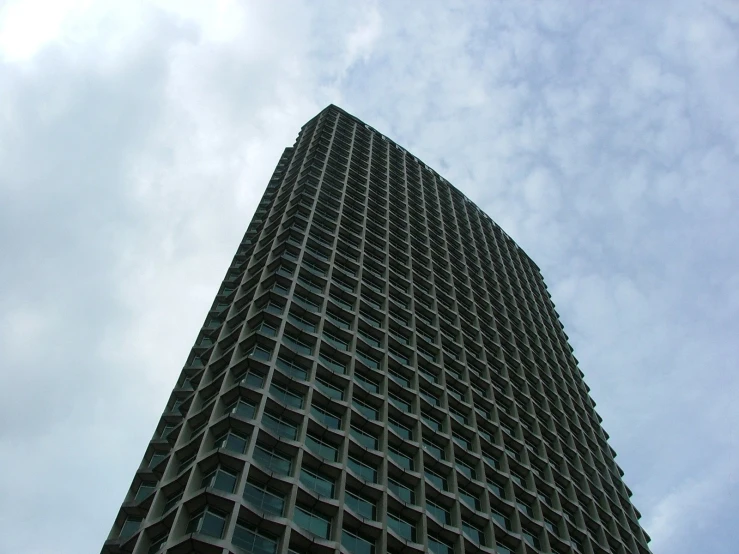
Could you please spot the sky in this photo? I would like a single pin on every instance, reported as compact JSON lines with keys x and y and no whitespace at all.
{"x":136,"y":139}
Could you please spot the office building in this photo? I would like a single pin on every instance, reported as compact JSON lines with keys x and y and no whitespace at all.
{"x":382,"y":370}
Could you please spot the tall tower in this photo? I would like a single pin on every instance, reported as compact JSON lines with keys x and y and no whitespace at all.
{"x":382,"y":370}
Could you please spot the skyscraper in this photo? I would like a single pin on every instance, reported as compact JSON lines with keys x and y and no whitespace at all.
{"x":382,"y":370}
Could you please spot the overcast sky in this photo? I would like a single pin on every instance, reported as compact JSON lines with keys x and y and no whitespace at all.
{"x":136,"y":139}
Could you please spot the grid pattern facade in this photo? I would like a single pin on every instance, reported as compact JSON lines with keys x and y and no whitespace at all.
{"x":382,"y":370}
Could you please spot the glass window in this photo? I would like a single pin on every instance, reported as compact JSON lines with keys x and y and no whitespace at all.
{"x":251,"y":379}
{"x":321,"y":448}
{"x":367,"y":383}
{"x":232,"y":441}
{"x":472,"y":501}
{"x":404,"y":528}
{"x":365,"y":409}
{"x":399,"y":403}
{"x":359,"y":505}
{"x":329,"y":419}
{"x":129,"y":527}
{"x":248,"y":539}
{"x":356,"y":544}
{"x":401,"y":459}
{"x":332,"y":363}
{"x":473,"y":533}
{"x":438,"y":546}
{"x":242,"y":408}
{"x":466,"y":470}
{"x":313,"y":522}
{"x":286,"y":396}
{"x":406,"y":494}
{"x":329,"y":390}
{"x":156,"y":544}
{"x":439,"y":512}
{"x":402,"y":431}
{"x":280,"y":426}
{"x":155,"y":459}
{"x":264,"y":499}
{"x":317,"y":483}
{"x":363,"y":438}
{"x":145,"y":489}
{"x":434,"y":449}
{"x":209,"y":522}
{"x":437,"y":480}
{"x":531,"y":539}
{"x":292,"y":369}
{"x":501,"y":520}
{"x":364,"y":471}
{"x":272,"y":460}
{"x":221,"y":479}
{"x":432,"y":422}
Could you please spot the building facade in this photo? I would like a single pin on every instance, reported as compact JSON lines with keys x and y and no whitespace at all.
{"x":382,"y":370}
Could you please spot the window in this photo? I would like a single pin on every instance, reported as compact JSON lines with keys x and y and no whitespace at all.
{"x":399,"y":403}
{"x":438,"y":546}
{"x":171,"y":499}
{"x":437,"y":480}
{"x":251,"y":379}
{"x":145,"y":489}
{"x":242,"y":408}
{"x":267,"y":329}
{"x":402,"y":431}
{"x":434,"y":449}
{"x":356,"y":544}
{"x":364,"y":471}
{"x":264,"y":499}
{"x":473,"y":532}
{"x":156,"y":459}
{"x":297,"y":345}
{"x":332,"y":363}
{"x":319,"y":484}
{"x":156,"y":544}
{"x":404,"y":528}
{"x":272,"y":460}
{"x":221,"y":479}
{"x":286,"y":396}
{"x":129,"y":527}
{"x":439,"y":512}
{"x":232,"y":441}
{"x":292,"y":369}
{"x":359,"y":505}
{"x":320,"y":448}
{"x":209,"y":522}
{"x":367,"y":383}
{"x":366,"y":410}
{"x":466,"y":470}
{"x":401,"y":459}
{"x":430,"y":398}
{"x":501,"y":520}
{"x":406,"y":494}
{"x":329,"y":390}
{"x":531,"y":539}
{"x":471,"y":500}
{"x":280,"y":426}
{"x":525,"y":508}
{"x":432,"y":422}
{"x":364,"y":438}
{"x":325,"y":417}
{"x":252,"y":541}
{"x":461,"y":441}
{"x":313,"y":522}
{"x":260,"y":353}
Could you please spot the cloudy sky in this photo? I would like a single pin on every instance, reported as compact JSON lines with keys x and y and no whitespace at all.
{"x":136,"y":139}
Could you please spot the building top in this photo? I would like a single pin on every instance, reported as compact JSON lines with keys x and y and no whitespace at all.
{"x":439,"y":177}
